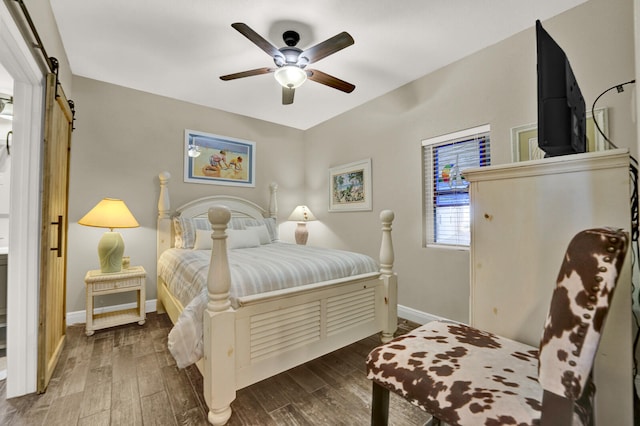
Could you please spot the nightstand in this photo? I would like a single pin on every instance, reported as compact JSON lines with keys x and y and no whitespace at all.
{"x":100,"y":284}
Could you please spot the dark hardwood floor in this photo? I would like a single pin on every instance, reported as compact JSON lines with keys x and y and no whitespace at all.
{"x":126,"y":376}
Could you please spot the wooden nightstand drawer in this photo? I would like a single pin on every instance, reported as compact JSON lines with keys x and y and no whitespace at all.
{"x":99,"y":286}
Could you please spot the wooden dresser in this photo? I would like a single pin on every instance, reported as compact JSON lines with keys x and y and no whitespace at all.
{"x":523,"y":216}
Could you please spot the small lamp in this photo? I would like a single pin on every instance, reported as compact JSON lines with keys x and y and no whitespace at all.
{"x":302,"y":215}
{"x":110,"y":213}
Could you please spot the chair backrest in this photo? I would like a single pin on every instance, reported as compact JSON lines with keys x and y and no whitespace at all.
{"x":579,"y":306}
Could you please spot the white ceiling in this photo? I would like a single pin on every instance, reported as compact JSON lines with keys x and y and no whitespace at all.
{"x":179,"y":49}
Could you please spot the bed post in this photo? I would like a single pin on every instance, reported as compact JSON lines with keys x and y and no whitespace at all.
{"x":273,"y":200}
{"x":219,"y":325}
{"x":390,"y":322}
{"x":164,"y":228}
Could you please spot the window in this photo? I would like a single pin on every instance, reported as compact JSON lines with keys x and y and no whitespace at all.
{"x":446,"y":192}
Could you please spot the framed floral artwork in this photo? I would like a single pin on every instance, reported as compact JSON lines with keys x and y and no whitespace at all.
{"x":350,"y":187}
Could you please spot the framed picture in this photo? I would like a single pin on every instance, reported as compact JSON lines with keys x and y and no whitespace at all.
{"x":218,"y":160}
{"x":524,"y":139}
{"x":350,"y":187}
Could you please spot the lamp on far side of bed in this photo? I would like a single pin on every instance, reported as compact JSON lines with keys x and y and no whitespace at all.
{"x":302,"y":215}
{"x":110,"y":213}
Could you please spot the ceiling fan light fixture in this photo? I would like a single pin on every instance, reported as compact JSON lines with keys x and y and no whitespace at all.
{"x":290,"y":76}
{"x":291,"y":61}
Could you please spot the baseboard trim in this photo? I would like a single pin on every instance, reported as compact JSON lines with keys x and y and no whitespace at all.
{"x":417,"y":316}
{"x":80,"y":317}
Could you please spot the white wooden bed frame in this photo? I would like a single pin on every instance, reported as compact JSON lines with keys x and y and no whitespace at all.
{"x":273,"y":332}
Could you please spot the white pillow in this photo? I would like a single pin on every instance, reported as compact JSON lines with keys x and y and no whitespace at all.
{"x":242,"y":238}
{"x":203,"y":240}
{"x":263,"y":233}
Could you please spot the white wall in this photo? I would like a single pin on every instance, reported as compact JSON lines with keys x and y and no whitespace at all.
{"x":495,"y":86}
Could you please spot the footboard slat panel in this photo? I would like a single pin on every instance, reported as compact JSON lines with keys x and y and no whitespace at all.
{"x":262,"y":324}
{"x":279,"y":333}
{"x":275,"y":332}
{"x":284,"y":333}
{"x":350,"y":310}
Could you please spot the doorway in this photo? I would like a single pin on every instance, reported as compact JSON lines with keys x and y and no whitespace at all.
{"x":6,"y":117}
{"x":18,"y":59}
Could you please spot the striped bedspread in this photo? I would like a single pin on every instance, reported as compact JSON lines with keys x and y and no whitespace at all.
{"x":254,"y":270}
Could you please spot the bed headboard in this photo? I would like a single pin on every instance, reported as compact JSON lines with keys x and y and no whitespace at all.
{"x":238,"y":206}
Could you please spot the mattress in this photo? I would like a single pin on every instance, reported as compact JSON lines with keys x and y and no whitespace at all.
{"x":254,"y":270}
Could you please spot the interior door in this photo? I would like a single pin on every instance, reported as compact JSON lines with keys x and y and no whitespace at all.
{"x":53,"y":257}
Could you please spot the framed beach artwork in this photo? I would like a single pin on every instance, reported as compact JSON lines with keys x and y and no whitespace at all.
{"x":218,"y":160}
{"x":524,"y":139}
{"x":350,"y":187}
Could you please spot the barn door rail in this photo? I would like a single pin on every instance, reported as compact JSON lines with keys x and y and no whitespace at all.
{"x":51,"y":62}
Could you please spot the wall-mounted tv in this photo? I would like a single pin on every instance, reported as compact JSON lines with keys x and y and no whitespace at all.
{"x":561,"y":107}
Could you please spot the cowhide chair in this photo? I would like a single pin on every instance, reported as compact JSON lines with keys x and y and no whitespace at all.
{"x":465,"y":376}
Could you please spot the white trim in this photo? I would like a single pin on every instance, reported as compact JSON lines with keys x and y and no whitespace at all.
{"x":461,"y":134}
{"x":447,"y":246}
{"x":24,"y":235}
{"x":417,"y":316}
{"x":405,"y":312}
{"x":611,"y":159}
{"x":80,"y":317}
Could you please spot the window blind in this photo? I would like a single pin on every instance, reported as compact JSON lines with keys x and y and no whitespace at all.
{"x":446,"y":191}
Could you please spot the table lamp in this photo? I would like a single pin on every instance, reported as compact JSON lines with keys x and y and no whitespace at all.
{"x":110,"y":213}
{"x":302,"y":215}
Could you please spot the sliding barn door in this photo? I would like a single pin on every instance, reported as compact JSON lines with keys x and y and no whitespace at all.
{"x":53,"y":258}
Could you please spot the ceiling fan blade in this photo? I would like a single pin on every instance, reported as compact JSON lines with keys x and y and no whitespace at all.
{"x":329,"y":80}
{"x":257,"y":39}
{"x":287,"y":95}
{"x":327,"y":47}
{"x":249,"y":73}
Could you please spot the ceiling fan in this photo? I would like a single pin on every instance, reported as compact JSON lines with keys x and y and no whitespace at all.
{"x":291,"y":62}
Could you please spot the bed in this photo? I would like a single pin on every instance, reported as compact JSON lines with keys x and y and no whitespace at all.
{"x":249,"y":337}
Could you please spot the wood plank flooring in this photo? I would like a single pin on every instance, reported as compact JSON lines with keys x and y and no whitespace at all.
{"x":126,"y":376}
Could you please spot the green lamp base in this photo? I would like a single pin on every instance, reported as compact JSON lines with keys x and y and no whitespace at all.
{"x":110,"y":251}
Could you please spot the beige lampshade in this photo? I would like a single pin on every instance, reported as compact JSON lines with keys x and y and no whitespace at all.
{"x":302,"y":214}
{"x":110,"y":213}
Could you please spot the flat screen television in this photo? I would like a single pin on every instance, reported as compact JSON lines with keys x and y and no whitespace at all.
{"x":561,"y":108}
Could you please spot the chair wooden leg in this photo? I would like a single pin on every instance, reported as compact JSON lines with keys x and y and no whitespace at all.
{"x":379,"y":405}
{"x":435,"y":421}
{"x":556,"y":410}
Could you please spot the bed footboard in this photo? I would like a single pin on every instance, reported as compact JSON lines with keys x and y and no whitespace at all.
{"x":258,"y":340}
